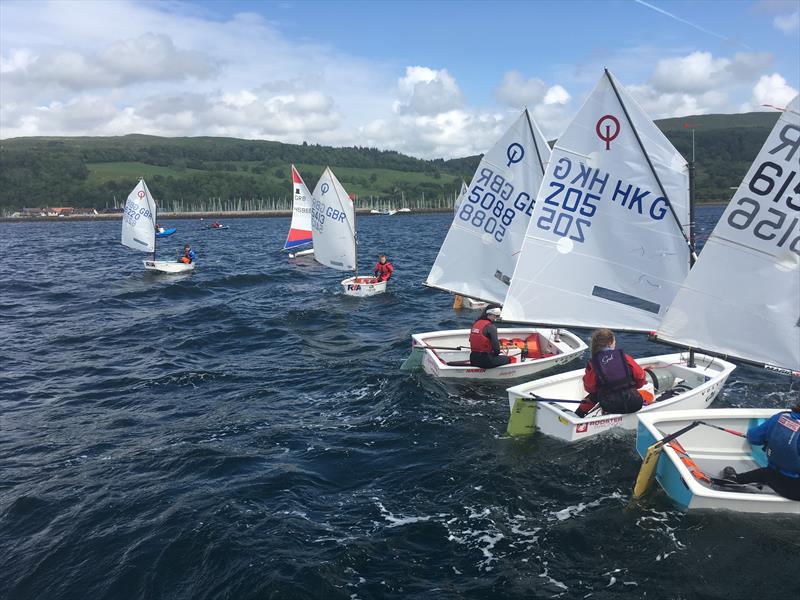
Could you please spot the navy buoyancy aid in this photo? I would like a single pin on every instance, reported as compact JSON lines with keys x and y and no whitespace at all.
{"x":783,"y":445}
{"x":612,"y":370}
{"x":478,"y":342}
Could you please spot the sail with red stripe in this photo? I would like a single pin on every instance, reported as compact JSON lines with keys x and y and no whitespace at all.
{"x":300,"y":229}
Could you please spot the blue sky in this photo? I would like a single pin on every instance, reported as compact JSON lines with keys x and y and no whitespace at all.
{"x":425,"y":78}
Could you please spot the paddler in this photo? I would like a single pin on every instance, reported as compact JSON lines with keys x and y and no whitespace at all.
{"x":781,"y":435}
{"x":484,"y":344}
{"x":383,"y":270}
{"x":612,"y":378}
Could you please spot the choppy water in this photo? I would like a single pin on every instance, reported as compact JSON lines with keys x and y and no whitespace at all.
{"x":244,"y":432}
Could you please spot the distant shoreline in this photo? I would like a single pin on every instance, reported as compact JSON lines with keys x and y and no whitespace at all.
{"x":241,"y":215}
{"x":205,"y":215}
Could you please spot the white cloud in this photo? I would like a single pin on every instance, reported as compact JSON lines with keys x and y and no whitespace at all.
{"x":516,"y":91}
{"x":661,"y":105}
{"x":787,"y":23}
{"x":426,"y":91}
{"x":700,"y":72}
{"x":773,"y":90}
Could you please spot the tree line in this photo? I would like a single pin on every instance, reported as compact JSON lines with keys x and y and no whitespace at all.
{"x":95,"y":171}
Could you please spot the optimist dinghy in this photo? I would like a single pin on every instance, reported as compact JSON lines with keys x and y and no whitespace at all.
{"x":333,"y":229}
{"x":532,"y":350}
{"x":689,"y":467}
{"x":671,"y":384}
{"x":166,"y":232}
{"x":138,"y":230}
{"x":300,"y":227}
{"x":479,"y":254}
{"x":608,"y":245}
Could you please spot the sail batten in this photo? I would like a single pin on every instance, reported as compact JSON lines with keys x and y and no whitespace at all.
{"x":742,"y":298}
{"x":602,"y":249}
{"x":481,"y":248}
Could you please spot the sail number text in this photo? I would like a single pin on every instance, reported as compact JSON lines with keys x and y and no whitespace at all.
{"x":492,"y":204}
{"x":134,"y":212}
{"x":770,"y":207}
{"x":320,"y":212}
{"x":571,"y":199}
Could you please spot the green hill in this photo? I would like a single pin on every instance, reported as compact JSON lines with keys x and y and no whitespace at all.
{"x":202,"y":172}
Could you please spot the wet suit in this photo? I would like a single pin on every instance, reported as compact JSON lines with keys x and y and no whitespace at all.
{"x":485,"y":345}
{"x":191,"y":256}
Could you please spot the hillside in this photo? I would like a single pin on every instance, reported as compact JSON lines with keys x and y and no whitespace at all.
{"x":197,"y":172}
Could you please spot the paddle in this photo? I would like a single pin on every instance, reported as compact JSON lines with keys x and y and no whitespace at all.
{"x":647,"y":471}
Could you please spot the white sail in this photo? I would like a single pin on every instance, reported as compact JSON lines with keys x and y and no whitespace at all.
{"x":333,"y":224}
{"x":481,"y":248}
{"x":300,"y":228}
{"x":139,"y":219}
{"x":606,"y":244}
{"x":742,"y":298}
{"x":461,"y":195}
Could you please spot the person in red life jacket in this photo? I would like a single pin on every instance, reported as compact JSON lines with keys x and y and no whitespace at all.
{"x":781,"y":435}
{"x":612,"y":378}
{"x":383,"y":270}
{"x":484,"y":344}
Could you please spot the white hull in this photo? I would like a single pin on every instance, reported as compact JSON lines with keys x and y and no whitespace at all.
{"x":557,"y":419}
{"x":434,"y":362}
{"x":165,"y":266}
{"x":711,"y":450}
{"x":361,"y":287}
{"x":301,"y":253}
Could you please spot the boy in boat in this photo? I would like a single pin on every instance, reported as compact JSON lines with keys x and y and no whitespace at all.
{"x":159,"y":228}
{"x":484,"y":344}
{"x":188,"y":256}
{"x":781,"y":435}
{"x":612,"y":378}
{"x":383,"y":270}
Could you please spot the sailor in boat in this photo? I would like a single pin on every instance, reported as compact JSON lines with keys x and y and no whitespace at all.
{"x":188,"y":255}
{"x":159,"y":228}
{"x":781,"y":436}
{"x":216,"y":224}
{"x":612,"y":378}
{"x":484,"y":344}
{"x":383,"y":269}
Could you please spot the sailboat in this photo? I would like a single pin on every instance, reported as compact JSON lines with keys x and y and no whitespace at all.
{"x":461,"y":195}
{"x":478,"y":257}
{"x":139,"y":233}
{"x":741,"y":299}
{"x":300,"y":227}
{"x":333,"y":225}
{"x":608,"y":245}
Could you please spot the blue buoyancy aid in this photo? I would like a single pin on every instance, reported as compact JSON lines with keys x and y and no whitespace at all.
{"x":783,"y":445}
{"x":612,"y":370}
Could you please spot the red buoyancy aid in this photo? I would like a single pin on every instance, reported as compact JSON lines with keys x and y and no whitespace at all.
{"x":477,"y":341}
{"x":383,"y":271}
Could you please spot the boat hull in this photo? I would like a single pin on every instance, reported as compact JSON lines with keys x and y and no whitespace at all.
{"x":434,"y":362}
{"x":166,"y":232}
{"x":165,"y":266}
{"x":300,"y":253}
{"x":362,"y":287}
{"x":711,"y":450}
{"x":557,"y":419}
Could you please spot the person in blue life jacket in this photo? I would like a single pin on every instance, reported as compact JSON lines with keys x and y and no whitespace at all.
{"x":484,"y":344}
{"x":188,"y":255}
{"x":612,"y":378}
{"x":781,"y":436}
